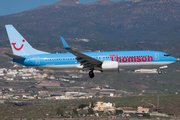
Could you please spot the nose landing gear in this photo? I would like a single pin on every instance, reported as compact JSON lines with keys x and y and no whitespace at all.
{"x":159,"y":71}
{"x":91,"y":74}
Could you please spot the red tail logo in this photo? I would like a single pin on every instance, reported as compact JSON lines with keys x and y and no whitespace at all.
{"x":16,"y":47}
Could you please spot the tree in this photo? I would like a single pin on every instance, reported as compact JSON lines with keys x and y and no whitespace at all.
{"x":75,"y":111}
{"x":97,"y":94}
{"x":119,"y":112}
{"x":146,"y":115}
{"x":83,"y":105}
{"x":33,"y":87}
{"x":60,"y":111}
{"x":90,"y":110}
{"x":92,"y":104}
{"x":44,"y":87}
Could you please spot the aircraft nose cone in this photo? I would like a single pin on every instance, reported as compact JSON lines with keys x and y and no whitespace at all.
{"x":174,"y":59}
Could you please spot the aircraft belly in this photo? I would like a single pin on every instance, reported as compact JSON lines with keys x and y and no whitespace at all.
{"x":159,"y":64}
{"x":133,"y":65}
{"x":143,"y":65}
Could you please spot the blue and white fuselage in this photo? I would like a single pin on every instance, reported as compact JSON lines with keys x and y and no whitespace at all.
{"x":68,"y":61}
{"x":111,"y":61}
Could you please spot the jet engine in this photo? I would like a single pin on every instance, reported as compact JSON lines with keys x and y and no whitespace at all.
{"x":110,"y":67}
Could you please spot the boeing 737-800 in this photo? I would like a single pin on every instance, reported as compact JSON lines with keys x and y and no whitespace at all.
{"x":106,"y":62}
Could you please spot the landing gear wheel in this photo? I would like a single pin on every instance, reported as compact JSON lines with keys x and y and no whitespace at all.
{"x":91,"y":74}
{"x":159,"y":72}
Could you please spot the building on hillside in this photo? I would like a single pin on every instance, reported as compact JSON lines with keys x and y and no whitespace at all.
{"x":140,"y":109}
{"x":11,"y":89}
{"x":43,"y":92}
{"x":76,"y":94}
{"x":10,"y":79}
{"x":102,"y":106}
{"x":2,"y":74}
{"x":99,"y":106}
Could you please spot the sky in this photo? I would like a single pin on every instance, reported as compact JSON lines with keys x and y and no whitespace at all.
{"x":8,"y":7}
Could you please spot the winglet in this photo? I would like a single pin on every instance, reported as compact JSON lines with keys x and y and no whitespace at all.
{"x":66,"y":46}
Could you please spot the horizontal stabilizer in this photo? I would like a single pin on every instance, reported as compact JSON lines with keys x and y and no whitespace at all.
{"x":14,"y":56}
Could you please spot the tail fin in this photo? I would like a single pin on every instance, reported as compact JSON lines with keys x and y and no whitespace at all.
{"x":18,"y":44}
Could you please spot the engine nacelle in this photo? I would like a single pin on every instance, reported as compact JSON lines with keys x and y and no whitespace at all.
{"x":110,"y":67}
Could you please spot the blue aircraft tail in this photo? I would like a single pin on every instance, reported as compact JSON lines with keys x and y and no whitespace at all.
{"x":18,"y":44}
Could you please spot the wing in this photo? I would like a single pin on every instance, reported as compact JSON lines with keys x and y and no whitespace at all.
{"x":86,"y":61}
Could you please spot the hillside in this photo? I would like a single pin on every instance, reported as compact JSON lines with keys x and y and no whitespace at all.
{"x":147,"y":20}
{"x":123,"y":25}
{"x":38,"y":108}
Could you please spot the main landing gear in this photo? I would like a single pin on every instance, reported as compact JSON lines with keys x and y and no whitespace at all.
{"x":91,"y":74}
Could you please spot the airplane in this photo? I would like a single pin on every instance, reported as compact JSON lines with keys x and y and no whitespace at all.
{"x":106,"y":62}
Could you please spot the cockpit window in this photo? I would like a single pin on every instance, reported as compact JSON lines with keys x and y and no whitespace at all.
{"x":166,"y":55}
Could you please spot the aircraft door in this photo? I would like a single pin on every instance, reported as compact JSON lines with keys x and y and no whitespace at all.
{"x":156,"y":56}
{"x":37,"y":61}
